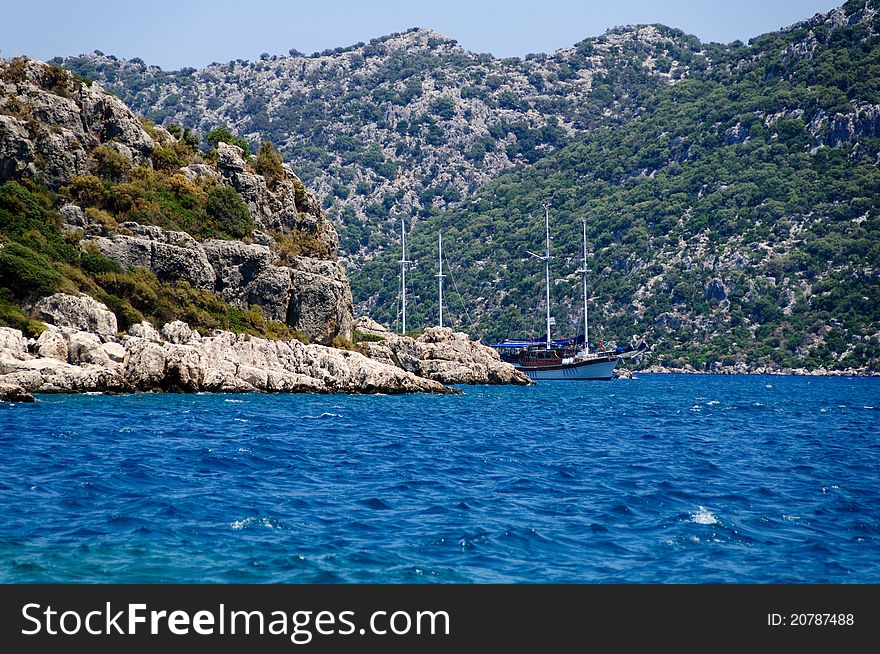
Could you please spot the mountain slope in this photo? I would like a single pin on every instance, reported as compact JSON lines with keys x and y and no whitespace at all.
{"x":409,"y":123}
{"x":738,"y":220}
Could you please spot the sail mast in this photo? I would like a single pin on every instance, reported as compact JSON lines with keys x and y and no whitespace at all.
{"x":586,"y":307}
{"x":440,"y":274}
{"x":547,"y":267}
{"x":403,"y":262}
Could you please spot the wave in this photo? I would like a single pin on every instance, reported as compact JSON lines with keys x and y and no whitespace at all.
{"x":703,"y":516}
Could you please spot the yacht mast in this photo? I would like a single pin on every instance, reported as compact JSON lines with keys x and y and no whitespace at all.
{"x":547,"y":267}
{"x":403,"y":261}
{"x":546,"y":259}
{"x":440,"y":274}
{"x":586,"y":307}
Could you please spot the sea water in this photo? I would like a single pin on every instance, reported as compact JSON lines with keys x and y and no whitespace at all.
{"x":665,"y":478}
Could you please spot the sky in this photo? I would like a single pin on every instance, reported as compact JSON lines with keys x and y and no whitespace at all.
{"x":176,"y":33}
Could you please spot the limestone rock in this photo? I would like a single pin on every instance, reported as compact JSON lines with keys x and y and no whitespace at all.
{"x":80,"y":117}
{"x":145,"y":330}
{"x":321,"y":303}
{"x":179,"y":332}
{"x":169,"y":255}
{"x":442,"y":355}
{"x":367,"y":325}
{"x":52,"y":344}
{"x":245,"y":275}
{"x":13,"y":343}
{"x":14,"y":393}
{"x":114,"y":351}
{"x":77,"y":311}
{"x":79,"y":361}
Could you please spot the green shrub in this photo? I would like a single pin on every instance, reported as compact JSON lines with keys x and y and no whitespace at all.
{"x":12,"y":316}
{"x":299,"y":191}
{"x":110,"y":164}
{"x":93,"y":262}
{"x":363,"y":337}
{"x":269,"y":163}
{"x":166,"y":158}
{"x":102,"y":218}
{"x":228,"y":212}
{"x":57,"y":80}
{"x":15,"y":70}
{"x":223,"y":135}
{"x":27,"y":273}
{"x":298,"y":243}
{"x":87,"y":190}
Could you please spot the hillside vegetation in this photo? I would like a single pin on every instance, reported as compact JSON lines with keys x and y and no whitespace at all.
{"x":41,"y":253}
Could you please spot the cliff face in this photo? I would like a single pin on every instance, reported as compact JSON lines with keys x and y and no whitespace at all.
{"x":63,"y":132}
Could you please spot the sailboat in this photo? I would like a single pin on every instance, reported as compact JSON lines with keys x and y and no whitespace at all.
{"x":559,"y":360}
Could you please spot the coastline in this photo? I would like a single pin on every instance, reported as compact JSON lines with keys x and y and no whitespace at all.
{"x":776,"y":372}
{"x":80,"y":350}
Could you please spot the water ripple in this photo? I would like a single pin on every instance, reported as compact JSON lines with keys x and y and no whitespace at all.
{"x":663,"y":479}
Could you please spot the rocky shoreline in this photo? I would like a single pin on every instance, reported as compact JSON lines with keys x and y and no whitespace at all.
{"x":761,"y":370}
{"x":81,"y":351}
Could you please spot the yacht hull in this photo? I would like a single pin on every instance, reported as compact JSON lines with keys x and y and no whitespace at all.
{"x":600,"y":369}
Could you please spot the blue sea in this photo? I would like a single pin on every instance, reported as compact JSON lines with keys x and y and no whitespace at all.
{"x":665,"y":478}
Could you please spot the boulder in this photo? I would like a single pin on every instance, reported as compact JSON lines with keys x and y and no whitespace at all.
{"x":144,"y":364}
{"x":14,"y":393}
{"x":78,"y":311}
{"x":13,"y":343}
{"x":179,"y":332}
{"x":145,"y":330}
{"x":85,"y":348}
{"x":52,"y":344}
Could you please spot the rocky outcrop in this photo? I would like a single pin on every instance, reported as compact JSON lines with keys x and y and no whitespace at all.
{"x":310,"y":295}
{"x":852,"y":127}
{"x":50,"y":127}
{"x":440,"y":354}
{"x":80,"y":312}
{"x":287,"y":206}
{"x":81,"y":117}
{"x":320,"y":301}
{"x":14,"y":393}
{"x":68,"y":358}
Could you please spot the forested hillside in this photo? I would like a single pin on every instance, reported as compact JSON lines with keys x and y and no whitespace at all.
{"x":734,"y":220}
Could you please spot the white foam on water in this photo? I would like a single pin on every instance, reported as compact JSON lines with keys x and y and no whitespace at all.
{"x":253,"y":522}
{"x":323,"y":415}
{"x":234,"y":401}
{"x":791,"y":518}
{"x":712,"y":402}
{"x":704,"y":517}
